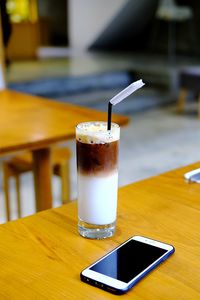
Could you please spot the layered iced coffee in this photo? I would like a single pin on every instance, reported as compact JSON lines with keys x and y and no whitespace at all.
{"x":97,"y":166}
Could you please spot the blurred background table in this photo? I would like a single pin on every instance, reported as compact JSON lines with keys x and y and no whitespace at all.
{"x":33,"y":123}
{"x":41,"y":256}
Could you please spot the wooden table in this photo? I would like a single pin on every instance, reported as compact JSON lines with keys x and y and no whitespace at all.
{"x":33,"y":123}
{"x":41,"y":256}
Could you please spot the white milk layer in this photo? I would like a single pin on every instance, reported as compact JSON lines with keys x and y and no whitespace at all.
{"x":97,"y":198}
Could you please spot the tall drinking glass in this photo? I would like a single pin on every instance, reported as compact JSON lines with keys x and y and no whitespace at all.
{"x":97,"y":166}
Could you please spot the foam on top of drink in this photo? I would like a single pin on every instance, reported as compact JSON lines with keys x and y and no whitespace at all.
{"x":97,"y":133}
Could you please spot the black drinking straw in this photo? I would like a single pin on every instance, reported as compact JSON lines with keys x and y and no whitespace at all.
{"x":121,"y":96}
{"x":109,"y":115}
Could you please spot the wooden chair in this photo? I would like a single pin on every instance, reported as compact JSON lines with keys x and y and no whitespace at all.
{"x":23,"y":163}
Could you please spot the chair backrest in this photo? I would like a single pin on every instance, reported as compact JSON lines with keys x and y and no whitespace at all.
{"x":169,"y":10}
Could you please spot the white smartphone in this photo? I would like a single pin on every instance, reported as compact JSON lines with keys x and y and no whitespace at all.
{"x":123,"y":267}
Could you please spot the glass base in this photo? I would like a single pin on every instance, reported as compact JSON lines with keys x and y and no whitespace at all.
{"x":93,"y":231}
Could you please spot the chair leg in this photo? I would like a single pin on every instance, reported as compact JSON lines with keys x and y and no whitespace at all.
{"x":65,"y":182}
{"x":6,"y":175}
{"x":181,"y":100}
{"x":17,"y":184}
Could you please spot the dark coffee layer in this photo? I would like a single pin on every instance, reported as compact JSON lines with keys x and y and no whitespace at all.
{"x":95,"y":158}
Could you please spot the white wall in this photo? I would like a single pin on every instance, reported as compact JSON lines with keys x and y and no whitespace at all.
{"x":87,"y":18}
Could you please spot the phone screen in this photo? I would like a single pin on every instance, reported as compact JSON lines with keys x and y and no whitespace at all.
{"x":128,"y":261}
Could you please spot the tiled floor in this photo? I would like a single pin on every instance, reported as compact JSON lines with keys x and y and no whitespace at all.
{"x":158,"y":139}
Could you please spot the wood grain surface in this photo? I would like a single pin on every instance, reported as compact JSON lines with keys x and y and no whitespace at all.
{"x":41,"y":256}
